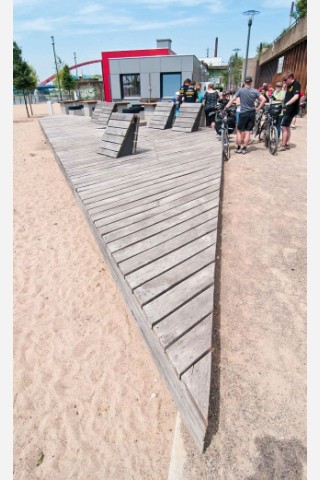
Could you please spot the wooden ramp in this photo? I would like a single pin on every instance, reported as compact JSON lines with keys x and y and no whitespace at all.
{"x":101,"y":116}
{"x":120,"y":136}
{"x":189,"y":118}
{"x":163,"y":116}
{"x":154,"y":216}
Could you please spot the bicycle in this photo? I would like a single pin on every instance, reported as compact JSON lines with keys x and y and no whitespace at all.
{"x":303,"y":109}
{"x":258,"y":124}
{"x":223,"y":128}
{"x":269,"y":132}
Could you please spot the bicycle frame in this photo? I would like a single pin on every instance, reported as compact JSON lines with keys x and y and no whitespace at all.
{"x":269,"y":132}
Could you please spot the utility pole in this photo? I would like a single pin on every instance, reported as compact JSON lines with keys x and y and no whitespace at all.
{"x":55,"y":61}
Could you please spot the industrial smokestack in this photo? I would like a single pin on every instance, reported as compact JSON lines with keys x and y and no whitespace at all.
{"x":216,"y":48}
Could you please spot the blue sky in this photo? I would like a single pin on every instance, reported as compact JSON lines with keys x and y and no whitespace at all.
{"x":90,"y":27}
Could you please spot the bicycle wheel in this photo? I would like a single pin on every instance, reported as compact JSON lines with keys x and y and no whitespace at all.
{"x":256,"y":128}
{"x":225,"y":145}
{"x":273,"y":140}
{"x":263,"y":132}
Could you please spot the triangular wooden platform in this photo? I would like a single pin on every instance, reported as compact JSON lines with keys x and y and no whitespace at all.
{"x":162,"y":116}
{"x":189,"y":118}
{"x":154,"y":216}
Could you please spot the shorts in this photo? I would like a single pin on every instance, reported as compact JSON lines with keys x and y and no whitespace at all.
{"x":246,"y":121}
{"x":287,"y":119}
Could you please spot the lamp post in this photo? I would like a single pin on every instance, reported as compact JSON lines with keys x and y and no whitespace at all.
{"x":55,"y":61}
{"x":75,"y":62}
{"x":235,"y":60}
{"x":251,"y":14}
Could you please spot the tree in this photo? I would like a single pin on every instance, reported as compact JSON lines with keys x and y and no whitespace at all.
{"x":67,"y":80}
{"x":24,"y":76}
{"x":301,"y":9}
{"x":235,"y":66}
{"x":260,"y":47}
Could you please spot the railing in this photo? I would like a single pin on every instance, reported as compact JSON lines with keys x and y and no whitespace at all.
{"x":286,"y":30}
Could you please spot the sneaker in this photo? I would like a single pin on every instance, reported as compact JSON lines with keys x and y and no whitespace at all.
{"x":292,"y":126}
{"x":282,"y":148}
{"x":238,"y":150}
{"x":244,"y":150}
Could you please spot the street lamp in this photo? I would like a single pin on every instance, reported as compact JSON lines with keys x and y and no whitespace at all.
{"x":55,"y":61}
{"x":251,"y":14}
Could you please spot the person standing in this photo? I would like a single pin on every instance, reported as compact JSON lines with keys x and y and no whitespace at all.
{"x":191,"y":93}
{"x":248,"y":96}
{"x":209,"y":102}
{"x":200,"y":95}
{"x":290,"y":109}
{"x":183,"y":89}
{"x":278,"y":97}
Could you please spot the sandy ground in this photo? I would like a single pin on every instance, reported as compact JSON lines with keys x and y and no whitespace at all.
{"x":89,"y":404}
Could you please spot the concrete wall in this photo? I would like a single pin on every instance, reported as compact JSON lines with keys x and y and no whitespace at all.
{"x":295,"y":35}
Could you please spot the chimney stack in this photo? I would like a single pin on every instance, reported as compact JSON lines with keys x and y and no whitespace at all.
{"x":216,"y":48}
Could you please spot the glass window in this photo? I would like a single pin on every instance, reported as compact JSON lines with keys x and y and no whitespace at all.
{"x":130,"y":85}
{"x":280,"y":64}
{"x":170,"y":84}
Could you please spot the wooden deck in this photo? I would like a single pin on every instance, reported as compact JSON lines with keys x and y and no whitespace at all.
{"x":154,"y":216}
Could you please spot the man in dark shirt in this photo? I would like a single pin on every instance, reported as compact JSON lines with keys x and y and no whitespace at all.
{"x":183,"y":89}
{"x":290,"y":108}
{"x":191,"y":93}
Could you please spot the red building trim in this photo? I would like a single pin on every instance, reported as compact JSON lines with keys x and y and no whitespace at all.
{"x":125,"y":54}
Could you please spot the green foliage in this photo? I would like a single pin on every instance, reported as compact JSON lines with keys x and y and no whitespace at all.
{"x":24,"y":76}
{"x":235,"y":65}
{"x":261,"y":46}
{"x":67,"y":81}
{"x":301,"y":9}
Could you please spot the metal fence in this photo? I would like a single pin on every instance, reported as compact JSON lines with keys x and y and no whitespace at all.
{"x":41,"y":98}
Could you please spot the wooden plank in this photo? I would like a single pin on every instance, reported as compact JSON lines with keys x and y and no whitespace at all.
{"x":169,"y":260}
{"x":197,"y":379}
{"x":135,"y":248}
{"x":128,"y":216}
{"x":175,"y":275}
{"x":170,"y":301}
{"x":162,"y":226}
{"x":174,"y":326}
{"x":155,"y":219}
{"x":133,"y":263}
{"x":190,"y":348}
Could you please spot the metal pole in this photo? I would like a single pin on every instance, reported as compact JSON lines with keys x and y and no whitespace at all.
{"x":251,"y":14}
{"x":247,"y":49}
{"x":75,"y":62}
{"x":55,"y":61}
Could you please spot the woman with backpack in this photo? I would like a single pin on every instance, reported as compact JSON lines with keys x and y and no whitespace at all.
{"x":209,"y":102}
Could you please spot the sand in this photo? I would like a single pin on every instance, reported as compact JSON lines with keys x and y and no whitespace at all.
{"x":86,"y":392}
{"x":89,"y":403}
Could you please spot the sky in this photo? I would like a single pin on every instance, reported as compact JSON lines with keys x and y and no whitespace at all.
{"x":88,"y":28}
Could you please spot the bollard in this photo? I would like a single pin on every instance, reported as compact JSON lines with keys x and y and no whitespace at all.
{"x":49,"y":103}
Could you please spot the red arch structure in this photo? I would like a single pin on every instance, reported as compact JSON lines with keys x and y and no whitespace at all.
{"x":47,"y":80}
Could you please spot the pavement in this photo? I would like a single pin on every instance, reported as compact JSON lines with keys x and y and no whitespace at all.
{"x":258,"y":419}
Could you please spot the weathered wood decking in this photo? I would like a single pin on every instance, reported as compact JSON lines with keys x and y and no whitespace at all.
{"x":154,"y":216}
